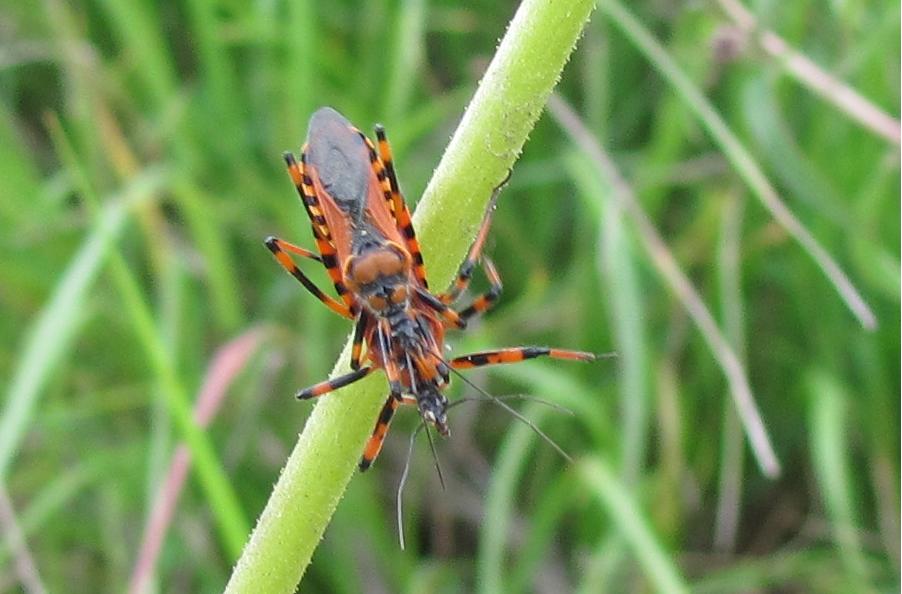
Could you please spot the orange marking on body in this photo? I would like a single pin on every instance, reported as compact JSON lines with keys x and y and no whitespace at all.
{"x":364,"y":269}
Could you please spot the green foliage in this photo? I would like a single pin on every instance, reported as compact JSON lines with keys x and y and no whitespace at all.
{"x":139,"y":158}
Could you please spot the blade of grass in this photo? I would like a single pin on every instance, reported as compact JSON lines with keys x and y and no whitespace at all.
{"x":406,"y":57}
{"x":776,"y":142}
{"x":211,"y":238}
{"x":806,"y":72}
{"x":53,"y":501}
{"x":626,"y":312}
{"x":807,"y":570}
{"x":545,"y":527}
{"x":299,"y":69}
{"x":217,"y":74}
{"x":227,"y":363}
{"x":224,"y":501}
{"x":614,"y":498}
{"x":829,"y":447}
{"x":51,"y":337}
{"x":19,"y":174}
{"x":669,"y":269}
{"x":602,"y":565}
{"x":26,"y":568}
{"x":729,"y":496}
{"x":500,"y":501}
{"x":135,"y":27}
{"x":740,"y":158}
{"x":506,"y":105}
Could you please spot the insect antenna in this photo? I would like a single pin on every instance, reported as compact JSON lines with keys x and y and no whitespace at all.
{"x":528,"y":397}
{"x":516,"y":414}
{"x":438,"y":468}
{"x":400,"y":494}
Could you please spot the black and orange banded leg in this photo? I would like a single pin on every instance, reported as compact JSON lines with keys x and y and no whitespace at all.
{"x":487,"y":300}
{"x":399,"y":207}
{"x":363,"y":320}
{"x":389,"y":365}
{"x":375,"y":441}
{"x":448,"y":314}
{"x":335,"y":383}
{"x":280,"y":249}
{"x":465,"y":272}
{"x":515,"y":355}
{"x":395,"y":399}
{"x":321,"y":232}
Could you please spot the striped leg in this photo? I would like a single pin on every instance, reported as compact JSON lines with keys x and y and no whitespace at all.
{"x":515,"y":355}
{"x":363,"y":320}
{"x":484,"y":302}
{"x":480,"y":305}
{"x":399,"y":207}
{"x":280,"y":249}
{"x":388,"y":362}
{"x":374,"y":443}
{"x":465,"y":272}
{"x":488,"y":299}
{"x":333,"y":384}
{"x":448,"y":314}
{"x":321,"y":232}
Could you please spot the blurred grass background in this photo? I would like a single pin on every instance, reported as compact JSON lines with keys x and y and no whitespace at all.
{"x":139,"y":159}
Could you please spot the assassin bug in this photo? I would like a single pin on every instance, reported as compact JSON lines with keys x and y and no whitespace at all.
{"x":367,"y":244}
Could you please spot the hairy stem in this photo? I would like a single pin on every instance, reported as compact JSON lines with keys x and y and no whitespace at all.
{"x":494,"y":128}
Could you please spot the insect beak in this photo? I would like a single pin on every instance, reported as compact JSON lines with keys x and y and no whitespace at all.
{"x":440,"y":424}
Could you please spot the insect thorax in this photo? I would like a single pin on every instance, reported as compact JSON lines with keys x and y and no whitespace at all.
{"x":378,"y":273}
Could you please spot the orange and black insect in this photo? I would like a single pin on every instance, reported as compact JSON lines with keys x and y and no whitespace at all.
{"x":367,"y":243}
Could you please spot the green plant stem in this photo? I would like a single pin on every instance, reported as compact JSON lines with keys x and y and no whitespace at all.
{"x":494,"y":128}
{"x":613,"y":496}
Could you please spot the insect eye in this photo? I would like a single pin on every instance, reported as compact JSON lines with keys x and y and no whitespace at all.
{"x":378,"y":302}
